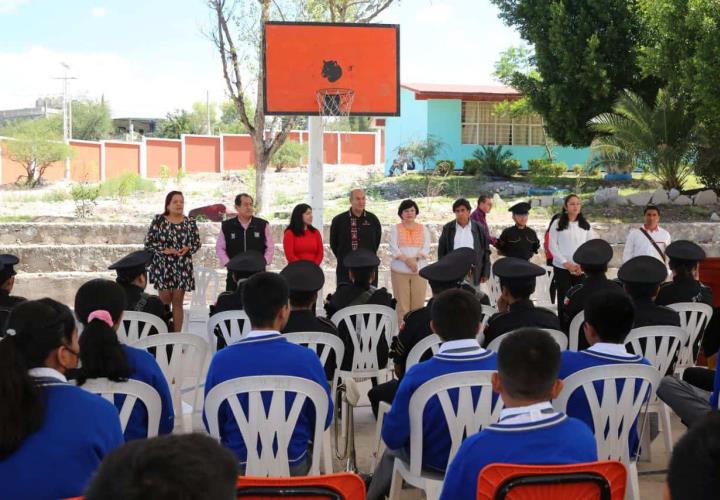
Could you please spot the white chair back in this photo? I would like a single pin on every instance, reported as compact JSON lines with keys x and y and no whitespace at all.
{"x":468,"y":419}
{"x":207,"y":282}
{"x":328,"y":341}
{"x":494,"y":288}
{"x":185,"y":362}
{"x":542,"y":286}
{"x":694,"y":317}
{"x":613,"y":413}
{"x":136,"y":325}
{"x":574,"y":331}
{"x":133,"y":390}
{"x":233,"y":326}
{"x":429,"y":343}
{"x":487,"y":312}
{"x":366,"y":325}
{"x":557,"y":336}
{"x":270,"y":427}
{"x":658,"y":344}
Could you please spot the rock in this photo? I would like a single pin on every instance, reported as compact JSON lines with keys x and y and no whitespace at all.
{"x":620,"y":201}
{"x":673,"y":193}
{"x":682,"y":200}
{"x":640,"y":199}
{"x":715,"y":217}
{"x":557,"y":201}
{"x":535,"y":202}
{"x":707,"y":197}
{"x":604,"y":195}
{"x":546,"y":201}
{"x":660,"y":197}
{"x":497,"y":201}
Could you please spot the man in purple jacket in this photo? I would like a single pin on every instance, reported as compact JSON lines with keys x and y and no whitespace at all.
{"x":479,"y":215}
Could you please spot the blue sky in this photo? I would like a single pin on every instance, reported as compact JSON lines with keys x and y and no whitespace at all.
{"x":148,"y":58}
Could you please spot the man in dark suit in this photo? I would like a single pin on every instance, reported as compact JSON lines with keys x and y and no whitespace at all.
{"x":517,"y":283}
{"x":465,"y":232}
{"x":641,"y":276}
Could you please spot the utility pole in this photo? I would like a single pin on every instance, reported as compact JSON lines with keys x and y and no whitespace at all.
{"x":67,"y":114}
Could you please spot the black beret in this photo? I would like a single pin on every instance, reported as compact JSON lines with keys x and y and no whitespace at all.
{"x":250,"y":261}
{"x":303,"y":276}
{"x":643,"y":269}
{"x":361,"y":257}
{"x":7,"y":261}
{"x":522,"y":208}
{"x":514,"y":268}
{"x":595,"y":252}
{"x":685,"y":250}
{"x":452,"y":268}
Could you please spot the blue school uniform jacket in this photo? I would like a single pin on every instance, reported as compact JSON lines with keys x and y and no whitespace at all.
{"x":716,"y":390}
{"x":436,"y":437}
{"x":58,"y":460}
{"x":577,"y":406}
{"x":269,"y":354}
{"x":556,"y":440}
{"x":144,"y":368}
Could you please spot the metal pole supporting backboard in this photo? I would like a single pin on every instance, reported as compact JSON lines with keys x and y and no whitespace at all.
{"x":315,"y":168}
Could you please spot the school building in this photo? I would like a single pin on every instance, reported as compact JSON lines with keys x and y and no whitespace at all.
{"x":462,"y":118}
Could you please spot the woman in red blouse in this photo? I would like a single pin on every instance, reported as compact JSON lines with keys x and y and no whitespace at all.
{"x":301,"y":240}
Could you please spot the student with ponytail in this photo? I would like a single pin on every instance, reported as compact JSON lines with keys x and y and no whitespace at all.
{"x":99,"y":305}
{"x":53,"y":435}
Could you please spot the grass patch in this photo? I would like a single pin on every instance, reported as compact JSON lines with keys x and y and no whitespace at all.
{"x":16,"y":218}
{"x":125,"y":185}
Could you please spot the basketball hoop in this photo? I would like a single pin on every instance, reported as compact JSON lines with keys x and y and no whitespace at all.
{"x":335,"y":103}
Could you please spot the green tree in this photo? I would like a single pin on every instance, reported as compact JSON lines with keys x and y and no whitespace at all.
{"x":199,"y":117}
{"x":585,"y":54}
{"x":230,"y":122}
{"x":37,"y":145}
{"x":657,"y":137}
{"x":177,"y":123}
{"x":91,"y":120}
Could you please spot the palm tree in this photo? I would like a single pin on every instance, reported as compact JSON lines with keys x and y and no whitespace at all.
{"x":658,"y":138}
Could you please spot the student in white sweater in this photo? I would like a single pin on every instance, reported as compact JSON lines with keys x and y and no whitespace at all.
{"x":567,"y":233}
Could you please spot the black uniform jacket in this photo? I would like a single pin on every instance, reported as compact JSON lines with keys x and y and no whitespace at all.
{"x":521,"y":314}
{"x":516,"y":242}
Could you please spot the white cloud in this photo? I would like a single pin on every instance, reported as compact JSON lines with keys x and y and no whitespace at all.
{"x":9,"y":6}
{"x":98,"y":11}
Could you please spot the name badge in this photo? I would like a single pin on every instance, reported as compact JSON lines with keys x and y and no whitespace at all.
{"x":257,"y":235}
{"x":232,"y":236}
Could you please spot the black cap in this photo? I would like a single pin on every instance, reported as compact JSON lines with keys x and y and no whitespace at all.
{"x":250,"y":261}
{"x":685,"y":250}
{"x":643,"y":269}
{"x":522,"y":208}
{"x":132,"y":265}
{"x":452,"y":268}
{"x":361,"y":257}
{"x":595,"y":252}
{"x":514,"y":268}
{"x":7,"y":261}
{"x":303,"y":276}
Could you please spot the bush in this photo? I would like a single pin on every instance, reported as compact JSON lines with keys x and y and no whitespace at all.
{"x":494,"y":162}
{"x":85,"y":196}
{"x":444,"y":167}
{"x":290,"y":154}
{"x":707,"y":167}
{"x":471,"y":166}
{"x":125,"y":185}
{"x":577,"y":169}
{"x":543,"y":171}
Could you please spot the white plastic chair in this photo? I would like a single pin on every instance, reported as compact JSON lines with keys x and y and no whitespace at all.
{"x":233,"y":326}
{"x":613,"y":412}
{"x":574,"y":331}
{"x":557,"y":336}
{"x":694,"y":317}
{"x":136,"y":325}
{"x":493,"y":288}
{"x":186,"y":362}
{"x":259,"y":426}
{"x":133,"y":390}
{"x":466,"y":421}
{"x":541,"y":296}
{"x":207,"y":282}
{"x":329,"y":342}
{"x":487,"y":312}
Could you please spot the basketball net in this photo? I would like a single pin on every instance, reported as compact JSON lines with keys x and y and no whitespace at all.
{"x":334,"y":105}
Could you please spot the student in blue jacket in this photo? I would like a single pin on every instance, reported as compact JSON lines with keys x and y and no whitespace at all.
{"x":99,"y":305}
{"x":53,"y":435}
{"x":455,"y":316}
{"x":609,"y":317}
{"x":530,"y":431}
{"x":264,"y":351}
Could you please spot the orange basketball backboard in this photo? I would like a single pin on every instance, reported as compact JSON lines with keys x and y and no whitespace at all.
{"x":301,"y":58}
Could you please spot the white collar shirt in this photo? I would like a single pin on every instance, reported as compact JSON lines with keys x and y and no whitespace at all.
{"x":462,"y":347}
{"x":45,"y":372}
{"x":611,"y":349}
{"x":527,"y":414}
{"x":260,"y":333}
{"x":637,"y":243}
{"x":463,"y":236}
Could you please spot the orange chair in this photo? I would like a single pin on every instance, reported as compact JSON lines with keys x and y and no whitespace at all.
{"x":340,"y":486}
{"x":588,"y":481}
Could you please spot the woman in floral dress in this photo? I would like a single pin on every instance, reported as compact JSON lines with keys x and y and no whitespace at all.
{"x":172,"y":239}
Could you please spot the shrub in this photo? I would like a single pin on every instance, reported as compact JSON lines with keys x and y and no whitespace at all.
{"x":707,"y":167}
{"x":577,"y":169}
{"x":444,"y":167}
{"x":543,"y":171}
{"x":164,"y":174}
{"x":495,"y":162}
{"x":85,"y":196}
{"x":128,"y":183}
{"x":290,"y":154}
{"x":471,"y":166}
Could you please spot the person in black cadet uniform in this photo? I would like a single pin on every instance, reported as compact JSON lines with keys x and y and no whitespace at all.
{"x":243,"y":233}
{"x":132,"y":277}
{"x":517,"y":283}
{"x":305,"y":279}
{"x":519,"y":240}
{"x":351,"y":230}
{"x":7,"y":281}
{"x":641,"y":276}
{"x":593,"y":257}
{"x":361,"y":265}
{"x":449,"y":272}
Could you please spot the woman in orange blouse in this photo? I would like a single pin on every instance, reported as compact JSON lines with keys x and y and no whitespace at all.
{"x":410,"y":248}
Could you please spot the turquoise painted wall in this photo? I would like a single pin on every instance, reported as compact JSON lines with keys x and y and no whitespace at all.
{"x":441,"y":119}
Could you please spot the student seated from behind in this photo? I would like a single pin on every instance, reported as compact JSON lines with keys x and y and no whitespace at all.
{"x":642,"y":276}
{"x":517,"y":283}
{"x":192,"y":466}
{"x":264,"y":351}
{"x":695,"y":462}
{"x":99,"y":305}
{"x":53,"y":435}
{"x":456,"y":317}
{"x":609,"y":317}
{"x":529,"y":432}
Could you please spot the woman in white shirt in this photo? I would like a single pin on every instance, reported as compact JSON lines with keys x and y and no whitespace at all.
{"x":410,"y":248}
{"x":567,"y":233}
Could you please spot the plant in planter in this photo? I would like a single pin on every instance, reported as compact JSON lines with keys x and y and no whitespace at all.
{"x":496,"y":162}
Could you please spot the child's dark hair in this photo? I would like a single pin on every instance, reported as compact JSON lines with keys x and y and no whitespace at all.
{"x":264,"y":295}
{"x":611,"y":314}
{"x":456,"y":314}
{"x":528,"y":364}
